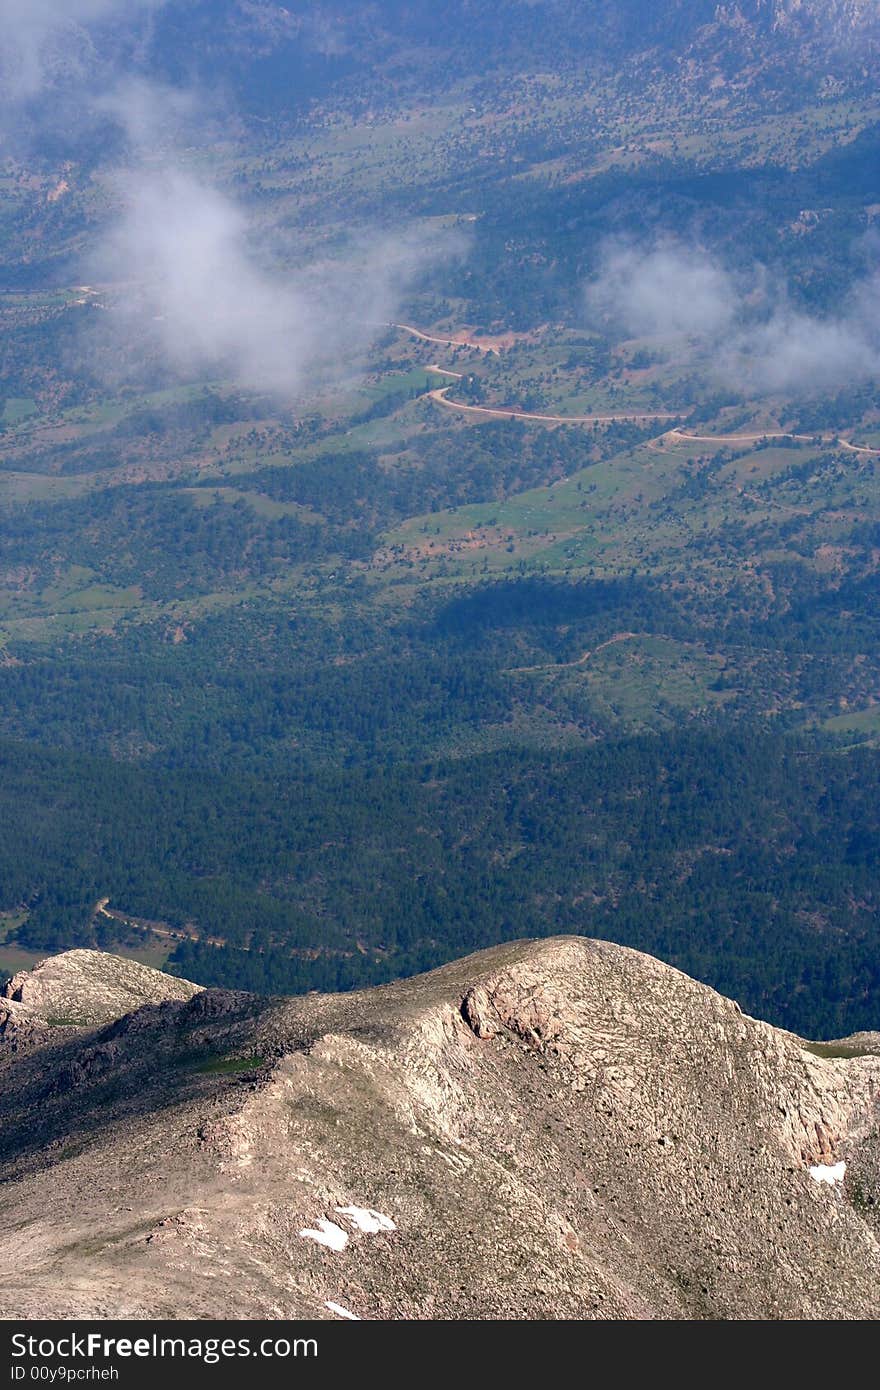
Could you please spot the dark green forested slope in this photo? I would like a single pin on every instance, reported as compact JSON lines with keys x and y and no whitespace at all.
{"x":324,"y":691}
{"x":747,"y":859}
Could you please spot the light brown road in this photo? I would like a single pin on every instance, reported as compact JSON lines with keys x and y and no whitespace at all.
{"x":738,"y":438}
{"x":858,"y":448}
{"x":444,"y":371}
{"x":447,"y":342}
{"x":439,"y":395}
{"x":580,"y":661}
{"x":825,"y":437}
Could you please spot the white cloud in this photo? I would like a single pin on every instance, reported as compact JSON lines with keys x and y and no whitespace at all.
{"x":188,"y":279}
{"x":740,"y":328}
{"x":191,"y":281}
{"x":664,"y":291}
{"x":795,"y":352}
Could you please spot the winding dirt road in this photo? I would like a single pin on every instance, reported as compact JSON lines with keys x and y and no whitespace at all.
{"x":858,"y":448}
{"x":444,"y":371}
{"x":737,"y":438}
{"x":826,"y":438}
{"x":439,"y":395}
{"x":579,"y":661}
{"x":446,"y":342}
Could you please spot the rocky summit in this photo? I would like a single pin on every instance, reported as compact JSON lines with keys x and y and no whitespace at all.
{"x":79,"y":988}
{"x":553,"y":1129}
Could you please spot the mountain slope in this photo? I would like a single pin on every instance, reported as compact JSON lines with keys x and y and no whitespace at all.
{"x":78,"y":989}
{"x":560,"y":1129}
{"x":280,"y":56}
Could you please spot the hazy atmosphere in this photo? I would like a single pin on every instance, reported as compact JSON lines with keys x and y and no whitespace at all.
{"x":741,"y":326}
{"x":439,"y":669}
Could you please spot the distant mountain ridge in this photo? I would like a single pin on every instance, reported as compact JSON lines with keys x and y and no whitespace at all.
{"x":279,"y":56}
{"x":526,"y":33}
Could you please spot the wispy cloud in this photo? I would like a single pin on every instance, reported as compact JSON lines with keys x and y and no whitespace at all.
{"x":151,"y":114}
{"x":44,"y":39}
{"x":192,"y":278}
{"x":191,"y":284}
{"x":740,"y":328}
{"x":663,"y":291}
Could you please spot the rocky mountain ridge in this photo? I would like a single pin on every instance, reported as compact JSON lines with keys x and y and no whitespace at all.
{"x":79,"y":989}
{"x":554,"y":1129}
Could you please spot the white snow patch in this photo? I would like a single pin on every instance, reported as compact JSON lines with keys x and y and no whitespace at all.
{"x":366,"y":1219}
{"x":342,"y":1312}
{"x":828,"y":1172}
{"x":327,"y":1233}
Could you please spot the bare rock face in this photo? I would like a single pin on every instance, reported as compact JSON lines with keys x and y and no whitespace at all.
{"x":18,"y":1028}
{"x":531,"y":1012}
{"x":81,"y":988}
{"x":556,"y":1129}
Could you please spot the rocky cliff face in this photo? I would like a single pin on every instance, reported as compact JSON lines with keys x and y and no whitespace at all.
{"x":563,"y":1129}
